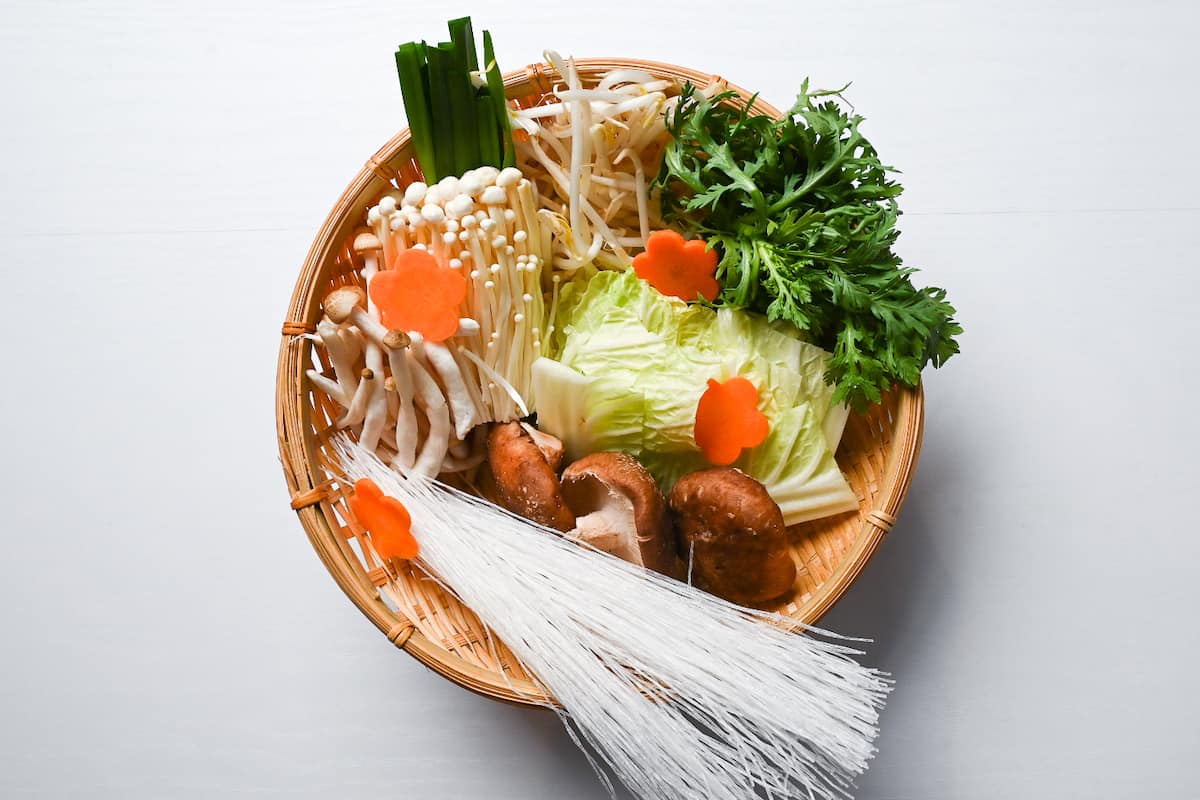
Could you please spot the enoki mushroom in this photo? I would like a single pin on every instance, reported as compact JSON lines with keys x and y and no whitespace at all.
{"x":413,"y":400}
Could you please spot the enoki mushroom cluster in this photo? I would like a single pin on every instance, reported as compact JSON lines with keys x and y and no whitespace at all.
{"x":407,"y":396}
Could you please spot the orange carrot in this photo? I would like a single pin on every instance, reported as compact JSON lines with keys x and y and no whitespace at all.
{"x":678,"y":267}
{"x":386,"y":519}
{"x":728,"y":420}
{"x":418,"y":295}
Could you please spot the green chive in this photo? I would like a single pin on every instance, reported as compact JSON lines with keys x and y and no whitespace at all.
{"x":463,"y":37}
{"x":455,"y":126}
{"x":462,"y":103}
{"x":443,"y":112}
{"x":410,"y":61}
{"x":489,"y":140}
{"x":495,"y":83}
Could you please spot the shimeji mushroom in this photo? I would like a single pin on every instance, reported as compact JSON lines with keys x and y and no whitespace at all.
{"x":329,"y":387}
{"x":369,"y":247}
{"x":463,"y":412}
{"x":389,"y":386}
{"x":357,"y":408}
{"x":342,"y":357}
{"x":396,"y":343}
{"x":437,"y":439}
{"x":376,"y":415}
{"x":346,"y":306}
{"x":411,"y":378}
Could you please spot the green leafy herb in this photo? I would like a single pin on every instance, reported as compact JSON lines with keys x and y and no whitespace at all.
{"x":804,"y":215}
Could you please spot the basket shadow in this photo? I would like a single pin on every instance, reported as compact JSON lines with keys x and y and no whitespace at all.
{"x":900,"y":602}
{"x":898,"y":596}
{"x":563,"y":769}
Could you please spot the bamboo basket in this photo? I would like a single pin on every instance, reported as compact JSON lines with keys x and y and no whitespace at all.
{"x":878,"y":453}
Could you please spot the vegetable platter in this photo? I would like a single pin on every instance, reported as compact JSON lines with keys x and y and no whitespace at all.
{"x":547,"y":346}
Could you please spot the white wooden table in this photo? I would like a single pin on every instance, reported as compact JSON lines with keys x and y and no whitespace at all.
{"x":167,"y":630}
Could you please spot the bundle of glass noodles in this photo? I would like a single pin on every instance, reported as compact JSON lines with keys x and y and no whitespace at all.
{"x":678,"y":693}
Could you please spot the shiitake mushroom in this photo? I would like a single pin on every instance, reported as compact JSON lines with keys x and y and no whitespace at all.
{"x":733,"y":533}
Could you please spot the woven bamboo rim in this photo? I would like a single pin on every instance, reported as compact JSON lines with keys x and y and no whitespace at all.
{"x":878,"y":454}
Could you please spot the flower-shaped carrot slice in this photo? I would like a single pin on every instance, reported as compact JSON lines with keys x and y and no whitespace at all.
{"x":678,"y":267}
{"x":386,"y":519}
{"x":419,"y":295}
{"x":728,"y":420}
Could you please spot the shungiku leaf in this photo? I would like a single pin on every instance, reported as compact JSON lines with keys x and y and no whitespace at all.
{"x":804,"y":214}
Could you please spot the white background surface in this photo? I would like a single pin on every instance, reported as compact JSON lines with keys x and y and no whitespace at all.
{"x":167,"y":630}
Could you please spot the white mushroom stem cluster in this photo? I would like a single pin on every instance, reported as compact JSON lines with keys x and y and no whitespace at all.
{"x":406,"y":399}
{"x":416,"y":402}
{"x":595,"y":152}
{"x":485,"y":225}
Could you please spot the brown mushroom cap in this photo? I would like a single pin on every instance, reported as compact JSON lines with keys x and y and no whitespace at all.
{"x":734,"y":533}
{"x":396,"y":340}
{"x":620,"y":509}
{"x":340,"y":303}
{"x":524,"y":481}
{"x":366,"y":241}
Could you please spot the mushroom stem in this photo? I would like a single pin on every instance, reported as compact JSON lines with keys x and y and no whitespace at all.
{"x":329,"y":387}
{"x":399,"y":230}
{"x":352,"y":343}
{"x":462,"y":407}
{"x":397,"y":343}
{"x":343,"y":363}
{"x":376,"y":414}
{"x":551,"y":447}
{"x":377,"y":406}
{"x":371,"y":328}
{"x":393,"y":404}
{"x":527,"y":203}
{"x":437,"y":441}
{"x":357,"y":409}
{"x":381,"y":228}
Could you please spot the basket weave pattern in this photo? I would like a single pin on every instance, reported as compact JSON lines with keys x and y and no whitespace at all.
{"x":878,"y":452}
